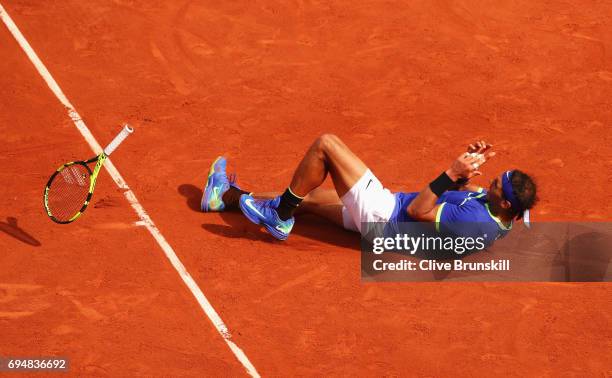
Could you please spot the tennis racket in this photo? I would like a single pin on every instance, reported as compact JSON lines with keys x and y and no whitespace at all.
{"x":71,"y":186}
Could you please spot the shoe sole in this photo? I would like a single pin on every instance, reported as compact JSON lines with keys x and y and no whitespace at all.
{"x":277,"y":234}
{"x":207,"y":190}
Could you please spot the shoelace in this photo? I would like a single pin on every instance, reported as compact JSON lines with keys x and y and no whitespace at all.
{"x":268,"y":204}
{"x":231,"y":178}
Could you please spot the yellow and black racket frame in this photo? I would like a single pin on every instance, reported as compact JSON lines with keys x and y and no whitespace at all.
{"x":92,"y":184}
{"x":112,"y":146}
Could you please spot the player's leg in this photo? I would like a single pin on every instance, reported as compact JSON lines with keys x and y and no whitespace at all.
{"x":222,"y":194}
{"x":321,"y":202}
{"x":324,"y":203}
{"x":362,"y":195}
{"x":327,"y":155}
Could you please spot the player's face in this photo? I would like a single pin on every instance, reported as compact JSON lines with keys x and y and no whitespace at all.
{"x":495,"y":194}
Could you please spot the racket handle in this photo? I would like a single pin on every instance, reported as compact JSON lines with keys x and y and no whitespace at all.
{"x":112,"y":146}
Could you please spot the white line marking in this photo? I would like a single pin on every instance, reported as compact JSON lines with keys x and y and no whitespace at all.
{"x":142,"y":215}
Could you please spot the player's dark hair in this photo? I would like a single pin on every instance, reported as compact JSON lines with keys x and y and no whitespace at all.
{"x":525,"y":190}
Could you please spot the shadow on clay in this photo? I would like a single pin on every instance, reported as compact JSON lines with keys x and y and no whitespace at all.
{"x":11,"y":228}
{"x":237,"y":226}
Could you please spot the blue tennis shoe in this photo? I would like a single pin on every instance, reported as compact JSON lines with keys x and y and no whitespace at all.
{"x":264,"y":212}
{"x":216,"y":185}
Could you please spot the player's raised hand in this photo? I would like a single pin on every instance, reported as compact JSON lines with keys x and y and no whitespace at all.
{"x":479,"y":147}
{"x":467,"y":164}
{"x":482,"y":150}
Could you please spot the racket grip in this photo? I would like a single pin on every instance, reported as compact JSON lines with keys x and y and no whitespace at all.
{"x":112,"y":146}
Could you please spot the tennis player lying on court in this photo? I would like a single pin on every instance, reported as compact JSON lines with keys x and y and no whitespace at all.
{"x":360,"y":197}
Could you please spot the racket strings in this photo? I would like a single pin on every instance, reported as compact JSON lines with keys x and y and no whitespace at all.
{"x":68,"y":191}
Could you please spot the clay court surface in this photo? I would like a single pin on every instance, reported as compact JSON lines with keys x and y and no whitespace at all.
{"x":406,"y":85}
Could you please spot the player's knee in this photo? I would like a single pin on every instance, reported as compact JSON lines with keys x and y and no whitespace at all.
{"x":327,"y":142}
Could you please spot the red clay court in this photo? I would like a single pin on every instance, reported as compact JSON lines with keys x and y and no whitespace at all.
{"x":407,"y":85}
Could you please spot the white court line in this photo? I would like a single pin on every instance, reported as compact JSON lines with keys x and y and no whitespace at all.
{"x":145,"y":220}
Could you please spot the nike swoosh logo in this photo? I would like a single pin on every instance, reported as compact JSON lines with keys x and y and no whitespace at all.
{"x":283,"y":229}
{"x":369,"y":182}
{"x":249,"y":203}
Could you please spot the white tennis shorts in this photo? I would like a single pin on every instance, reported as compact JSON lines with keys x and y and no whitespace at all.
{"x":367,"y":201}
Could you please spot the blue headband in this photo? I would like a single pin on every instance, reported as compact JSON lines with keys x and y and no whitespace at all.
{"x":509,"y":192}
{"x":509,"y":195}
